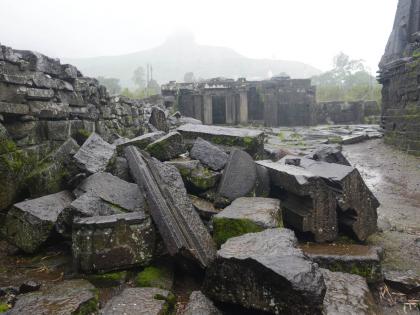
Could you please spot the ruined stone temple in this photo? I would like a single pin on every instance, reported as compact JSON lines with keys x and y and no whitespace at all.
{"x":280,"y":101}
{"x":400,"y":76}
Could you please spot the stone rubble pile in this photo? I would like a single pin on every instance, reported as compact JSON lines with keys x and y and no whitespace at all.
{"x":176,"y":191}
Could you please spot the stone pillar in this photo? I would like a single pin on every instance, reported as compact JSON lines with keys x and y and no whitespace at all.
{"x":230,"y":109}
{"x":198,"y":107}
{"x":243,"y":107}
{"x":207,"y":110}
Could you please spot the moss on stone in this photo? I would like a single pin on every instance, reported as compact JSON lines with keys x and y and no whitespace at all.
{"x":81,"y":135}
{"x":368,"y":271}
{"x":338,"y":140}
{"x":90,"y":307}
{"x":169,"y":306}
{"x":224,"y":229}
{"x":157,"y":277}
{"x":4,"y":307}
{"x":109,"y":279}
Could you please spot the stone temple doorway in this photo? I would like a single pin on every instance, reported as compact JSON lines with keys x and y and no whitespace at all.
{"x":219,"y":109}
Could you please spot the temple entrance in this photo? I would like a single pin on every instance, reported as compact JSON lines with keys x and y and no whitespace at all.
{"x":219,"y":109}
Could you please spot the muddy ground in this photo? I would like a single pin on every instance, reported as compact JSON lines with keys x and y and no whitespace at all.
{"x":394,"y":178}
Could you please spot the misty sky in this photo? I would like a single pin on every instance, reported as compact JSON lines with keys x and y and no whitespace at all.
{"x":311,"y":31}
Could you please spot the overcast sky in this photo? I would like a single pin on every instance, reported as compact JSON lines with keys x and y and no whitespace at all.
{"x":311,"y":31}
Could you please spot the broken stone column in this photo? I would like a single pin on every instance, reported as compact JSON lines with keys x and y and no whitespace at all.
{"x":120,"y":241}
{"x":208,"y":154}
{"x":95,"y":154}
{"x":308,"y":204}
{"x":167,"y":147}
{"x":29,"y":224}
{"x":266,"y":272}
{"x":356,"y":205}
{"x":181,"y":228}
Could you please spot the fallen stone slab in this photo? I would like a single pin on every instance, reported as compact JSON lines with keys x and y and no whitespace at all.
{"x":246,"y":215}
{"x":158,"y":119}
{"x":196,"y":177}
{"x":140,"y":142}
{"x":329,"y":154}
{"x":356,"y":259}
{"x":150,"y":301}
{"x":252,"y":141}
{"x":241,"y":178}
{"x":167,"y":147}
{"x":106,"y":243}
{"x":347,"y":294}
{"x":407,"y":282}
{"x":100,"y":194}
{"x":355,"y":138}
{"x":266,"y":272}
{"x":209,"y":154}
{"x":68,"y":297}
{"x":95,"y":154}
{"x":308,"y":204}
{"x":180,"y":226}
{"x":199,"y":304}
{"x":29,"y":224}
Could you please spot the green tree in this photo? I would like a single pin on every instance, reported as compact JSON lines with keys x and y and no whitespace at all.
{"x":138,"y":78}
{"x":349,"y":80}
{"x":112,"y":84}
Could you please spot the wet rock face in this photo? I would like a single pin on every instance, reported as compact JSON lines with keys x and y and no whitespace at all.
{"x":356,"y":259}
{"x":330,"y":154}
{"x":200,"y":304}
{"x":347,"y":294}
{"x":241,"y":178}
{"x":68,"y":297}
{"x":95,"y":154}
{"x":29,"y":224}
{"x":209,"y":154}
{"x":265,"y":271}
{"x":179,"y":225}
{"x":150,"y":301}
{"x":167,"y":147}
{"x":246,"y":215}
{"x":104,"y":243}
{"x":403,"y":281}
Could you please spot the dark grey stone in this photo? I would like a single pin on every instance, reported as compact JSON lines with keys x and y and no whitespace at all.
{"x":141,"y":142}
{"x":239,"y":176}
{"x":347,"y":294}
{"x":29,"y":224}
{"x":148,"y":301}
{"x":95,"y":154}
{"x":209,"y":154}
{"x":158,"y":119}
{"x":67,"y":297}
{"x":179,"y":225}
{"x":199,"y":304}
{"x":266,"y":272}
{"x":407,"y":282}
{"x":112,"y":242}
{"x":330,"y":154}
{"x":167,"y":147}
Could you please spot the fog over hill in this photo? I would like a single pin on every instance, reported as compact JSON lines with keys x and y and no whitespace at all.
{"x":180,"y":54}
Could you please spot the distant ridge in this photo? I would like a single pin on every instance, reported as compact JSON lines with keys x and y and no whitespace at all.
{"x":181,"y":54}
